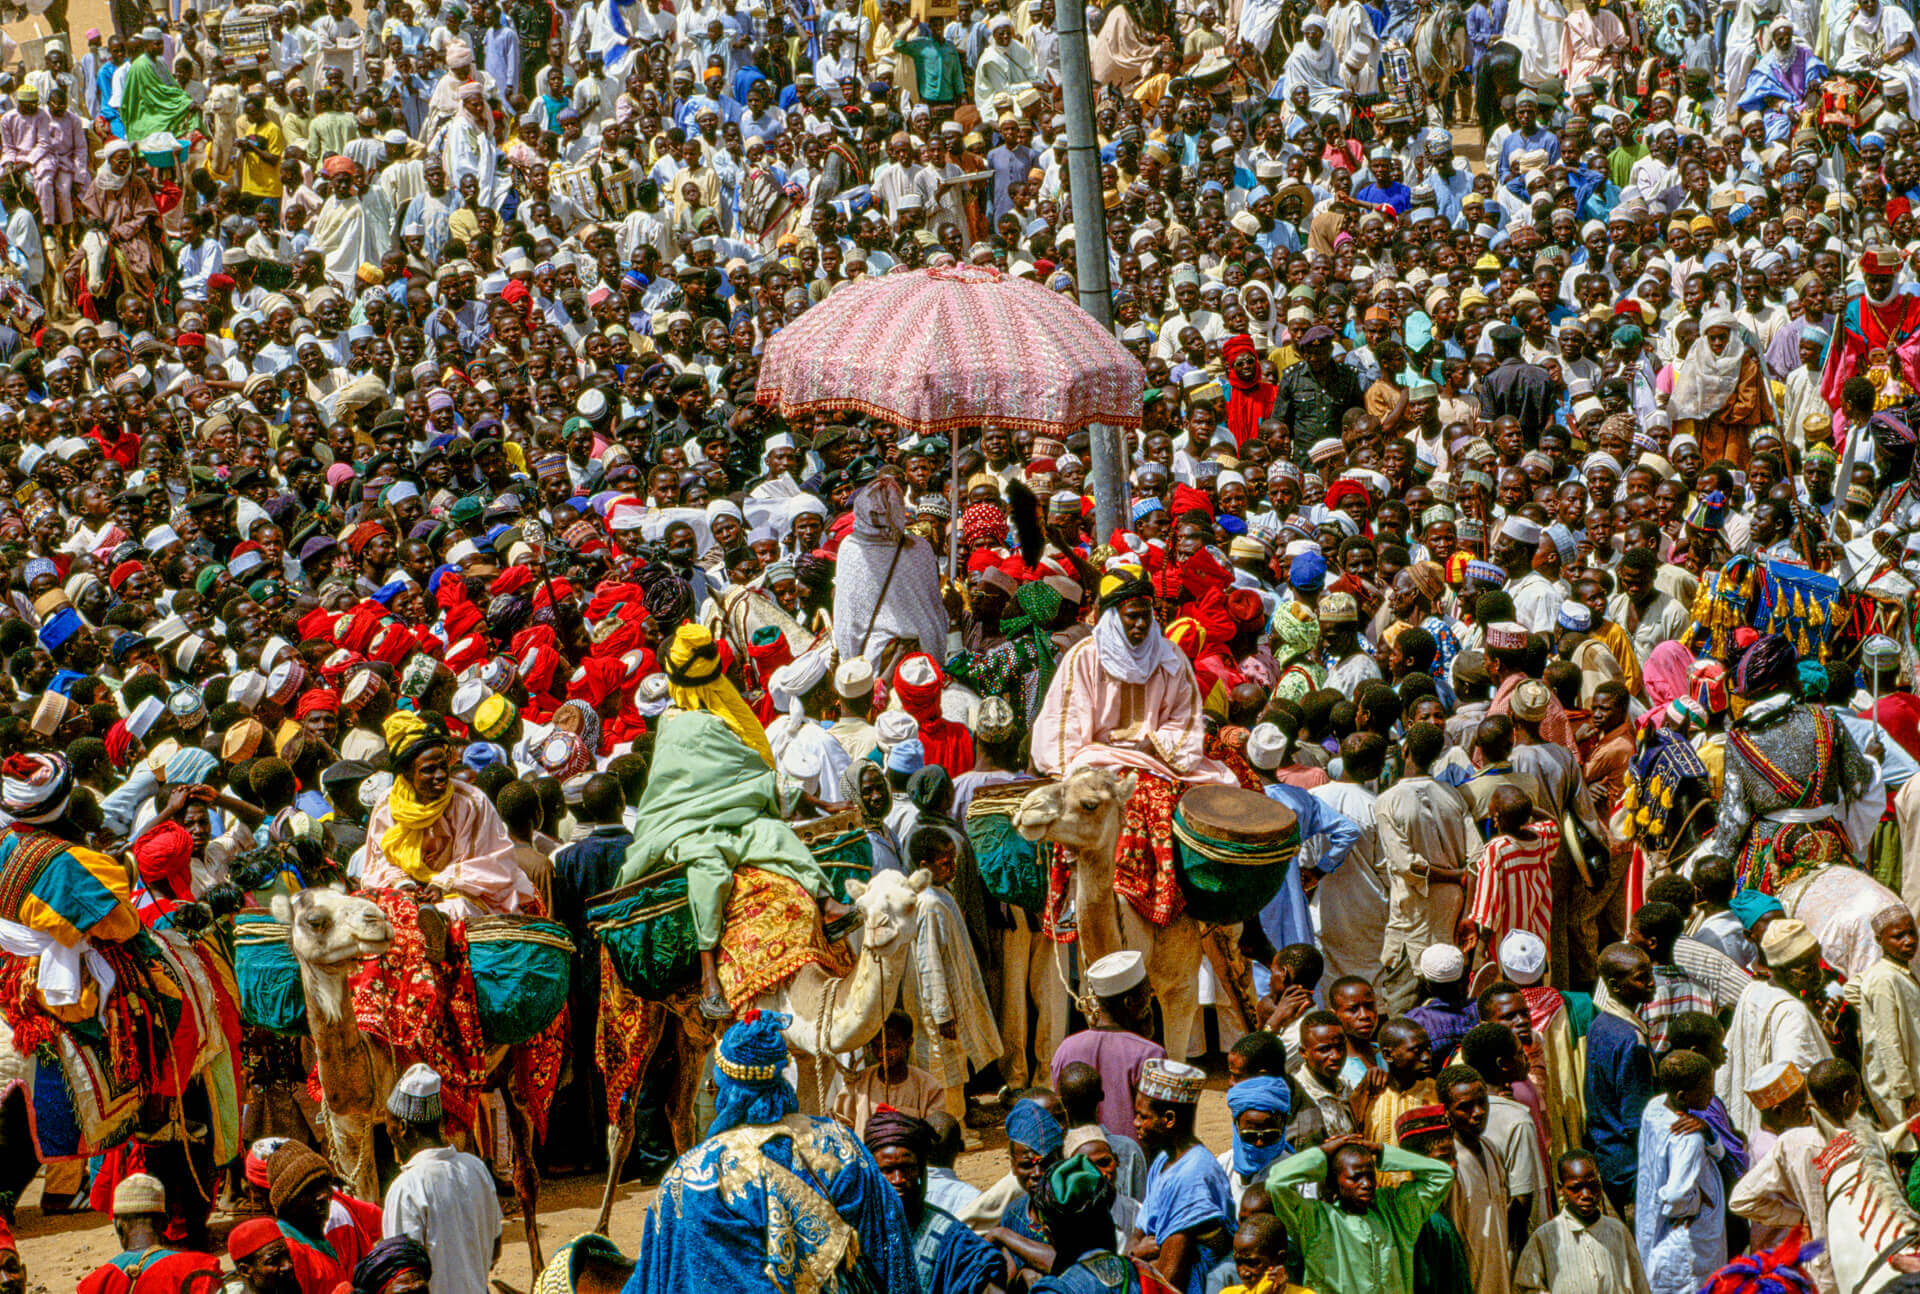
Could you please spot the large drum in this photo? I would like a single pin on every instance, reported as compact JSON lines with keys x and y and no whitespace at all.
{"x":1233,"y":848}
{"x":1012,"y":868}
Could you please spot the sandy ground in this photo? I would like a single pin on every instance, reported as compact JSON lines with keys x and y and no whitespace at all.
{"x":59,"y":1251}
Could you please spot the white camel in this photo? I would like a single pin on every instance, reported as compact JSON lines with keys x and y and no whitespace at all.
{"x":832,"y":1015}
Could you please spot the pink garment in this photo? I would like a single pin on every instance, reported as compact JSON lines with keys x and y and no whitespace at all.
{"x":1092,"y":720}
{"x":25,"y":141}
{"x":1665,"y":675}
{"x":70,"y":146}
{"x":1585,"y":42}
{"x":1556,"y":727}
{"x":470,"y":851}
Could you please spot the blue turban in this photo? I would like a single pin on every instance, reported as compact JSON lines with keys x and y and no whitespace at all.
{"x":1146,"y":507}
{"x":1628,"y":335}
{"x":752,"y":1084}
{"x":59,"y":627}
{"x":1029,"y":1124}
{"x":1813,"y":680}
{"x":480,"y":754}
{"x":1751,"y":905}
{"x":1274,"y":1097}
{"x":1308,"y":572}
{"x":386,"y":593}
{"x":908,"y":757}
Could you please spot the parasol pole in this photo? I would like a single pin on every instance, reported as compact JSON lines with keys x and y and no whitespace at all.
{"x":959,"y":506}
{"x":1107,"y":475}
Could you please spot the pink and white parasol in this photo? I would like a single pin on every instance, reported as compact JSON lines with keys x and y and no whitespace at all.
{"x":942,"y":349}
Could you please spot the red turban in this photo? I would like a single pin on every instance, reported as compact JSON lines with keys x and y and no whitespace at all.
{"x":598,"y":678}
{"x":164,"y":855}
{"x":1237,"y":344}
{"x":551,"y":591}
{"x":393,"y":645}
{"x":317,"y":623}
{"x":470,"y":650}
{"x":511,"y":580}
{"x":124,"y":572}
{"x":462,"y":620}
{"x":1245,"y":607}
{"x":1344,"y":488}
{"x":250,"y":1237}
{"x":319,"y":698}
{"x":1187,"y":499}
{"x":119,"y":744}
{"x":363,"y":534}
{"x":983,"y":524}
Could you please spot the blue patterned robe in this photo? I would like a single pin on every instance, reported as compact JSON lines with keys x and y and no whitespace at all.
{"x":801,"y":1199}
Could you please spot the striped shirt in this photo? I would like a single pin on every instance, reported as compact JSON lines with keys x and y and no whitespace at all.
{"x":1513,"y":889}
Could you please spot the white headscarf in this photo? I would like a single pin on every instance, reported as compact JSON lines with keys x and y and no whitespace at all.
{"x":1704,"y":382}
{"x":1126,"y":662}
{"x":105,"y":178}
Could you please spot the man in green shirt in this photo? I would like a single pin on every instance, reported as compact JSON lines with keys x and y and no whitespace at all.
{"x":1358,"y":1235}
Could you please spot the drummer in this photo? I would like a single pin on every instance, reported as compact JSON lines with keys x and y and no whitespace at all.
{"x":1125,"y":699}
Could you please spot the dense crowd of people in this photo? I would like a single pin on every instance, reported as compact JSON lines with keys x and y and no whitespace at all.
{"x":1523,"y":528}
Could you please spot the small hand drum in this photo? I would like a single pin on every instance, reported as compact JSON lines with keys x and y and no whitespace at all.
{"x":1233,"y":848}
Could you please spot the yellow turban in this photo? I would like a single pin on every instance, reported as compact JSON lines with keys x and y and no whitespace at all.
{"x":696,"y":680}
{"x":404,"y":843}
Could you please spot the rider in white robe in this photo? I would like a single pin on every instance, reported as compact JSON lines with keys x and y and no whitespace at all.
{"x":1869,"y":39}
{"x":1317,"y":67}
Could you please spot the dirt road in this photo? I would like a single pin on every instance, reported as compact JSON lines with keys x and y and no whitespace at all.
{"x":59,"y":1251}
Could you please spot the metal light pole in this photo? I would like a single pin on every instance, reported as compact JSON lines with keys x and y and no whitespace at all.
{"x":1107,"y":473}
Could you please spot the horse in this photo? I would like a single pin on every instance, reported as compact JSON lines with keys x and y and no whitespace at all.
{"x":1497,"y":76}
{"x":1869,"y":1222}
{"x":1439,"y":48}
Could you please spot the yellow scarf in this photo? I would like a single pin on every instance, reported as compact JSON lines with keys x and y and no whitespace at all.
{"x":696,"y":682}
{"x":404,"y":843}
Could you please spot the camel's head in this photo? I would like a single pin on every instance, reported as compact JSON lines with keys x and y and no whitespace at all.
{"x":889,"y":907}
{"x":1080,"y":812}
{"x":332,"y":931}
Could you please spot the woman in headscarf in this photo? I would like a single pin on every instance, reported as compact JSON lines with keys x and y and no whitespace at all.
{"x":1263,"y":317}
{"x":1664,"y":679}
{"x":437,"y":834}
{"x":1794,"y":778}
{"x":1296,"y":632}
{"x":711,"y":805}
{"x":1721,"y":389}
{"x":864,"y":785}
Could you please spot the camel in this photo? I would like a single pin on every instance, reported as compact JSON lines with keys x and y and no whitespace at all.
{"x":331,"y":933}
{"x":1083,"y":814}
{"x":832,"y":1016}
